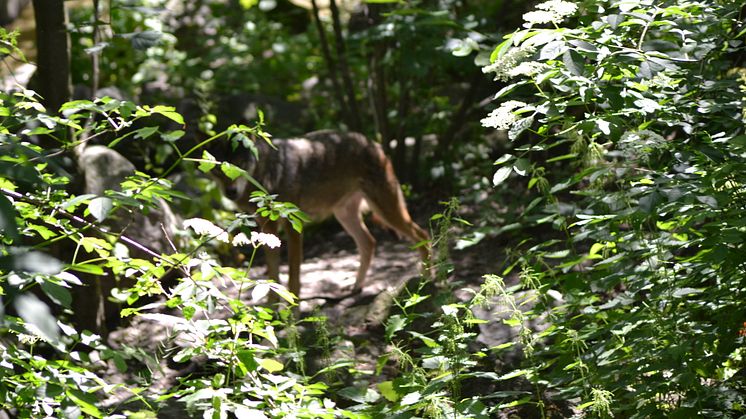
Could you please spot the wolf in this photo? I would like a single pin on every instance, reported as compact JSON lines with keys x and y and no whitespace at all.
{"x":327,"y":173}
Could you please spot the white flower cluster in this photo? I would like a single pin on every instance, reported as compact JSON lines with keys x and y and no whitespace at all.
{"x":528,"y":69}
{"x":503,"y":117}
{"x":508,"y":62}
{"x":206,"y":228}
{"x":636,"y":144}
{"x":552,"y":11}
{"x":257,"y":239}
{"x":266,"y":239}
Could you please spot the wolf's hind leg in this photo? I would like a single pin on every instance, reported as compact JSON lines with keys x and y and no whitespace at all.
{"x":347,"y":212}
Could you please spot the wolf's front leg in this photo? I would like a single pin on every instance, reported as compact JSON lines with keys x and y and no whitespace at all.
{"x":295,"y":259}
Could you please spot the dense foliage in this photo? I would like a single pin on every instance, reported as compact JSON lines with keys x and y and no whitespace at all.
{"x":616,"y":195}
{"x":628,"y":121}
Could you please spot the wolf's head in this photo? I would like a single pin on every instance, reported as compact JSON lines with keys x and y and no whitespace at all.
{"x":238,"y":162}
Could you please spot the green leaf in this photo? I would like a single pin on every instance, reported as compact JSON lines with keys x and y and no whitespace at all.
{"x":519,"y":126}
{"x":501,"y":174}
{"x":100,"y":207}
{"x":119,"y":362}
{"x":552,"y":50}
{"x":513,"y":374}
{"x":247,"y":360}
{"x":271,"y":365}
{"x":87,"y":268}
{"x":85,"y":401}
{"x":387,"y":390}
{"x":395,"y":324}
{"x":172,"y":136}
{"x":145,"y":132}
{"x":685,"y":291}
{"x":429,"y":342}
{"x":8,"y":225}
{"x":59,"y":295}
{"x":411,"y":398}
{"x":614,"y":20}
{"x":360,"y":394}
{"x":231,"y":170}
{"x":209,"y":164}
{"x":521,"y":166}
{"x":574,"y":62}
{"x":169,"y":112}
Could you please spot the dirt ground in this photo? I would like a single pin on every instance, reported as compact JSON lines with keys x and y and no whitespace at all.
{"x":328,"y":273}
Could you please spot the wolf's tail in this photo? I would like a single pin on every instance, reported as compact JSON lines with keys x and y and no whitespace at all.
{"x":385,"y":198}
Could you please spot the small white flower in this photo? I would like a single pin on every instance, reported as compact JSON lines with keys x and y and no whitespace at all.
{"x":539,"y":17}
{"x":265,"y":239}
{"x":503,"y":117}
{"x":552,"y":11}
{"x":504,"y":64}
{"x":206,"y":228}
{"x":27,"y":339}
{"x":240,"y":240}
{"x":560,"y":7}
{"x":528,"y":68}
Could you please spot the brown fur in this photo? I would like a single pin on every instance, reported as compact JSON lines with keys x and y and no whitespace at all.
{"x":330,"y":173}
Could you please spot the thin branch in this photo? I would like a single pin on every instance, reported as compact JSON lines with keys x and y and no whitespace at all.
{"x":344,"y":67}
{"x":86,"y":223}
{"x":330,"y":64}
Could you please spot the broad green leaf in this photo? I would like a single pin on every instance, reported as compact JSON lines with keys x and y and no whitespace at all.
{"x":614,"y":20}
{"x":59,"y":295}
{"x":519,"y":126}
{"x":501,"y":174}
{"x":521,"y":166}
{"x":172,"y":136}
{"x":260,"y":291}
{"x":208,"y":162}
{"x":574,"y":62}
{"x":100,"y":207}
{"x":552,"y":50}
{"x":429,"y":342}
{"x":686,"y":291}
{"x":411,"y":398}
{"x":360,"y":394}
{"x":387,"y":390}
{"x":248,"y":362}
{"x":271,"y":365}
{"x":231,"y":170}
{"x":169,"y":112}
{"x":146,"y":132}
{"x":395,"y":324}
{"x":85,"y":401}
{"x":87,"y":268}
{"x":514,"y":374}
{"x":503,"y":159}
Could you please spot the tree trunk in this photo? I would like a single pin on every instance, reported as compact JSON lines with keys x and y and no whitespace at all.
{"x":53,"y":53}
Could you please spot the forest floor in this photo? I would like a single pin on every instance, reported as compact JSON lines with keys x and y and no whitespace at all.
{"x":328,"y":273}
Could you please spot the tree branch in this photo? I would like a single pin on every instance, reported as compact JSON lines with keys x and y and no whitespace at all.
{"x":344,"y":67}
{"x":330,"y":64}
